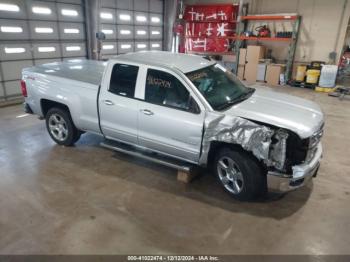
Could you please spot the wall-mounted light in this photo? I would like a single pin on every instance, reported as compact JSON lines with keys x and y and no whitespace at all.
{"x":71,"y":31}
{"x":45,"y":49}
{"x":14,"y":50}
{"x":106,"y":16}
{"x":11,"y":29}
{"x":125,"y":17}
{"x":9,"y":7}
{"x":41,"y":10}
{"x":141,"y":18}
{"x":69,"y":12}
{"x":73,"y":48}
{"x":107,"y":47}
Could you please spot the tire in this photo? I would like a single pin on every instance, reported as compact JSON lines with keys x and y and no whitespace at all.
{"x":61,"y":128}
{"x":240,"y":174}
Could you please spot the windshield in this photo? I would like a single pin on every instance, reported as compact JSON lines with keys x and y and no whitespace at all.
{"x":219,"y":86}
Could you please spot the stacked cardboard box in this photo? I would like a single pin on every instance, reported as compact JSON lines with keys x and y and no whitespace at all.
{"x":273,"y":73}
{"x":241,"y":63}
{"x":254,"y":54}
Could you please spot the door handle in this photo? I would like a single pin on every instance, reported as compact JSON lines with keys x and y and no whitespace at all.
{"x":147,"y":112}
{"x":108,"y":102}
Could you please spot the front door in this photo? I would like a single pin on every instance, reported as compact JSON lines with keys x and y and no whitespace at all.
{"x":170,"y":120}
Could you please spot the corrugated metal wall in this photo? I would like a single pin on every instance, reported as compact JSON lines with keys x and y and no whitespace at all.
{"x":131,"y":26}
{"x":36,"y":32}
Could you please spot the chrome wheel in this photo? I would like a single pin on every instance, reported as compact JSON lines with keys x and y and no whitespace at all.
{"x":58,"y":127}
{"x":230,"y":175}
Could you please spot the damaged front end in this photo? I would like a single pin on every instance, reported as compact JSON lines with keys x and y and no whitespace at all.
{"x":265,"y":143}
{"x":268,"y":144}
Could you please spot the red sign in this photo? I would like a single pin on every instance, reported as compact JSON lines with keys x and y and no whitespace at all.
{"x":208,"y":26}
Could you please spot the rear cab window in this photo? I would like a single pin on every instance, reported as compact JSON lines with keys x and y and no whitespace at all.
{"x":123,"y":80}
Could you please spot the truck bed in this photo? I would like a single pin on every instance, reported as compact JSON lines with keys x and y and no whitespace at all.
{"x":87,"y":71}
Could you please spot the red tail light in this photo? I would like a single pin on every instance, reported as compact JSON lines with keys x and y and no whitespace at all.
{"x":24,"y":88}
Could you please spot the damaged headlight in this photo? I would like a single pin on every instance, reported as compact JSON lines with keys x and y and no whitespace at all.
{"x":277,"y":157}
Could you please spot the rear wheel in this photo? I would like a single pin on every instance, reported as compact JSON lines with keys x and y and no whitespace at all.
{"x":61,"y":128}
{"x":239,"y":173}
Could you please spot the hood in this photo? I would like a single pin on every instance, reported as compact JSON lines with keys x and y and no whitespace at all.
{"x":299,"y":115}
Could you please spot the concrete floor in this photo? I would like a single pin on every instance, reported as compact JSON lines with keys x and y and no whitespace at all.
{"x":89,"y":200}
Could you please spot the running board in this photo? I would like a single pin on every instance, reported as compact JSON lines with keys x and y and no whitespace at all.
{"x":176,"y":164}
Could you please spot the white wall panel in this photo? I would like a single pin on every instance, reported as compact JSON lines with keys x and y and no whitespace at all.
{"x":107,"y":16}
{"x":109,"y":3}
{"x":125,"y":47}
{"x":155,"y":32}
{"x":41,"y":10}
{"x":40,"y":53}
{"x":12,"y":69}
{"x":125,"y":32}
{"x":141,"y":32}
{"x":20,"y":14}
{"x":71,"y":31}
{"x":15,"y":52}
{"x":38,"y":30}
{"x":109,"y":48}
{"x":73,"y":49}
{"x":110,"y":31}
{"x":141,"y":18}
{"x":13,"y":88}
{"x":125,"y":4}
{"x":156,"y":6}
{"x":123,"y":14}
{"x":6,"y":24}
{"x":141,"y":45}
{"x":141,"y":5}
{"x":68,"y":12}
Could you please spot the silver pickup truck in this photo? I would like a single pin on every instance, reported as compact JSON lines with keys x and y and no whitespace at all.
{"x":182,"y":111}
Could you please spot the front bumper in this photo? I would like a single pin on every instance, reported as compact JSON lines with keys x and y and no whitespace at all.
{"x":302,"y":174}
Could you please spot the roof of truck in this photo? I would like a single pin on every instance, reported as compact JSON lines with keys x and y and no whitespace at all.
{"x":184,"y":62}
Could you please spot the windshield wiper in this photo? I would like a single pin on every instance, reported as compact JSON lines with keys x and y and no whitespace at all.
{"x":238,"y":99}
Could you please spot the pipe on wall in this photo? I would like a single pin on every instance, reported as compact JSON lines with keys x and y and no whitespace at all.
{"x":170,"y":12}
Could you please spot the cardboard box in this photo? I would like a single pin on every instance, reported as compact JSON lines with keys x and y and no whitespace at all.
{"x":242,"y":56}
{"x":273,"y":72}
{"x":255,"y":53}
{"x":250,"y":72}
{"x":240,"y":72}
{"x":229,"y":58}
{"x":260,"y":76}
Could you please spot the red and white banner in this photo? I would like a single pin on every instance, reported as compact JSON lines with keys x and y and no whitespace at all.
{"x":208,"y":26}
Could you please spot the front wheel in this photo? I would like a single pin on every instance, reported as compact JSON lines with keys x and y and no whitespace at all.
{"x":239,"y":173}
{"x":61,"y":128}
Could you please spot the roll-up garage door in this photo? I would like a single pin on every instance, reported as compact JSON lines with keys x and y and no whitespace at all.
{"x":131,"y":25}
{"x":35,"y":32}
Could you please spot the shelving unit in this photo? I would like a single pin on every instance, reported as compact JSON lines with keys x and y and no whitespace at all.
{"x":291,"y":41}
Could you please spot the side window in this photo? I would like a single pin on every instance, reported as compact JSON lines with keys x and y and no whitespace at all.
{"x":123,"y":80}
{"x":165,"y":89}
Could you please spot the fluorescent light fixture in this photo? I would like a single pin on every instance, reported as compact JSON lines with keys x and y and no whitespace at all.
{"x":125,"y":17}
{"x":141,"y":32}
{"x":141,"y":45}
{"x":71,"y":31}
{"x":141,"y":18}
{"x":107,"y":47}
{"x":73,"y":48}
{"x":9,"y":7}
{"x":41,"y":10}
{"x":125,"y":32}
{"x":155,"y":33}
{"x":107,"y":31}
{"x":156,"y":45}
{"x":106,"y":15}
{"x":14,"y":50}
{"x":11,"y":29}
{"x":155,"y":19}
{"x":125,"y":46}
{"x":69,"y":12}
{"x":43,"y":30}
{"x":45,"y":49}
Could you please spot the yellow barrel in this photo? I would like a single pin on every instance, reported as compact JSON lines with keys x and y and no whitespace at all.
{"x":312,"y":76}
{"x":300,"y":73}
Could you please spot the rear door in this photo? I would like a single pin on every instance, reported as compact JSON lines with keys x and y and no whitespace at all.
{"x":170,"y":118}
{"x":117,"y":104}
